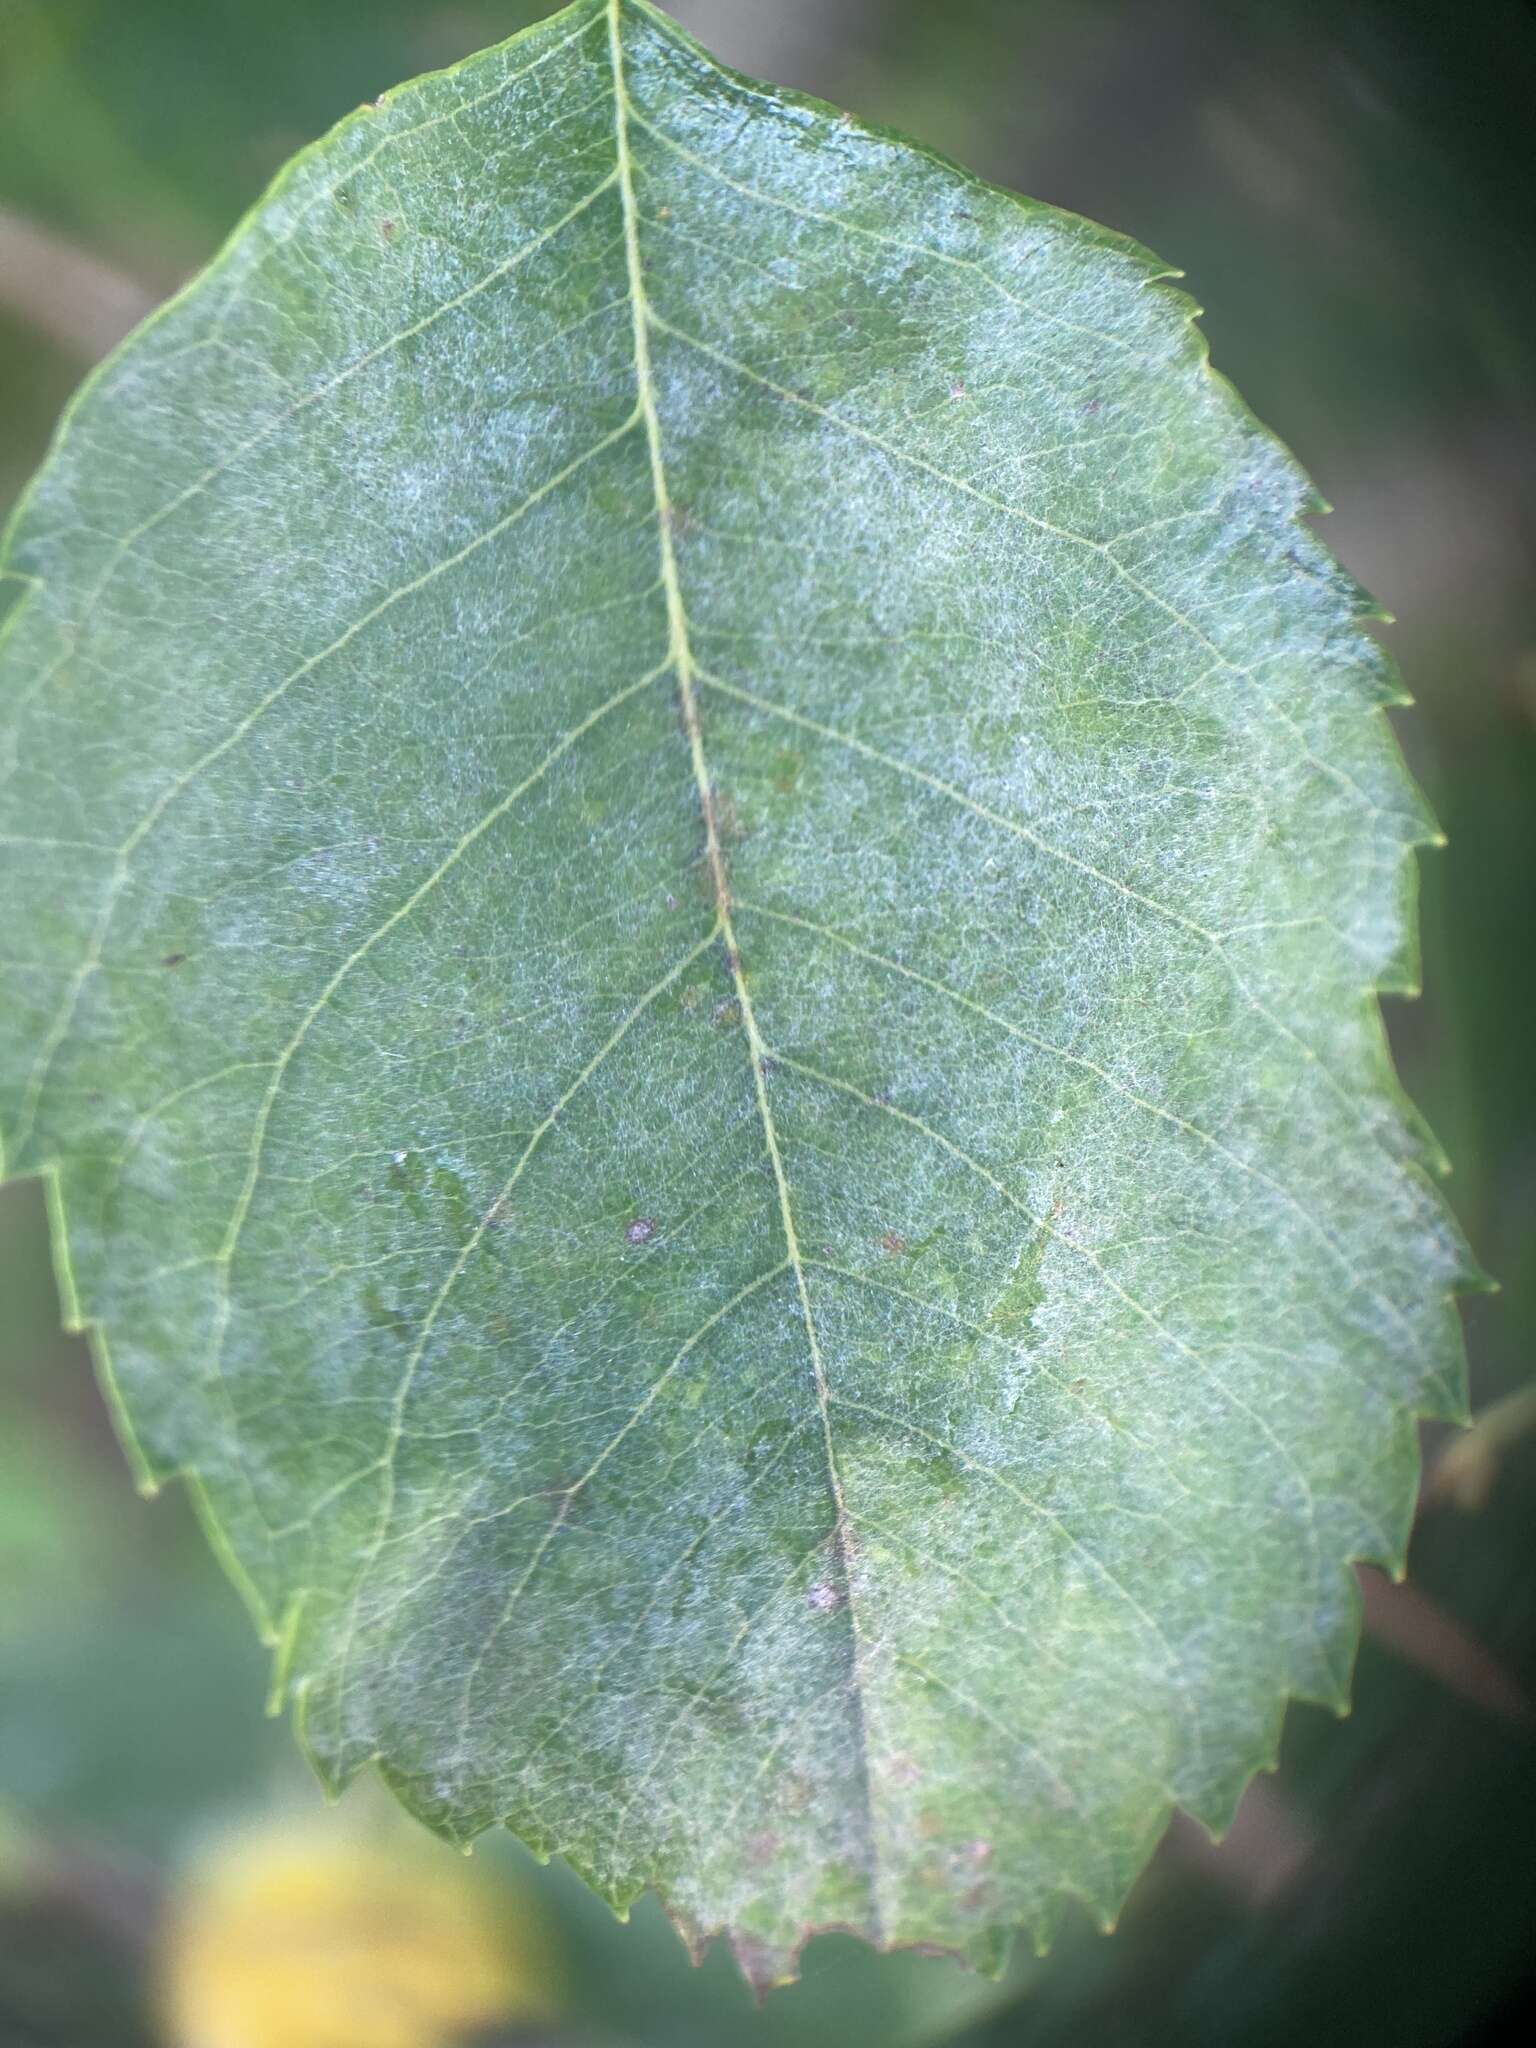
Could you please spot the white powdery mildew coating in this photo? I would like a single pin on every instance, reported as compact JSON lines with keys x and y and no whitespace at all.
{"x":697,"y":855}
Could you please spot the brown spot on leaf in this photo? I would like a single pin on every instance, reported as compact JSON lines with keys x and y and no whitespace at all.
{"x":640,"y":1231}
{"x":387,"y":230}
{"x":825,"y":1598}
{"x":172,"y":959}
{"x":893,"y":1244}
{"x":761,"y":1965}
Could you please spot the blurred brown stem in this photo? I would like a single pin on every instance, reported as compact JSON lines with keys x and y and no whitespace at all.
{"x":1465,"y":1471}
{"x":1407,"y":1622}
{"x":77,"y":300}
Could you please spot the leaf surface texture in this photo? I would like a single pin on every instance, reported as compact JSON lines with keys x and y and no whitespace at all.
{"x":696,"y":863}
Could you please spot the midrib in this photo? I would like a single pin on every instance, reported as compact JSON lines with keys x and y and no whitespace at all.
{"x":681,"y":656}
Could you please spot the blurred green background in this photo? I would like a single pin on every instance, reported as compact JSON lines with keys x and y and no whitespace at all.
{"x":1351,"y":189}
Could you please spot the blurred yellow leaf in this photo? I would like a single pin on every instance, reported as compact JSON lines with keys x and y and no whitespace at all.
{"x":311,"y":1935}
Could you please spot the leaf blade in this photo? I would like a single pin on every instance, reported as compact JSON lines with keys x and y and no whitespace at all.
{"x":855,"y":1115}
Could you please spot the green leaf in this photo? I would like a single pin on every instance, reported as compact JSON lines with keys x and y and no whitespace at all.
{"x":696,"y":858}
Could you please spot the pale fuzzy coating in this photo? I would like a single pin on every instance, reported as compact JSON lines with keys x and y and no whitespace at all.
{"x":696,"y":855}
